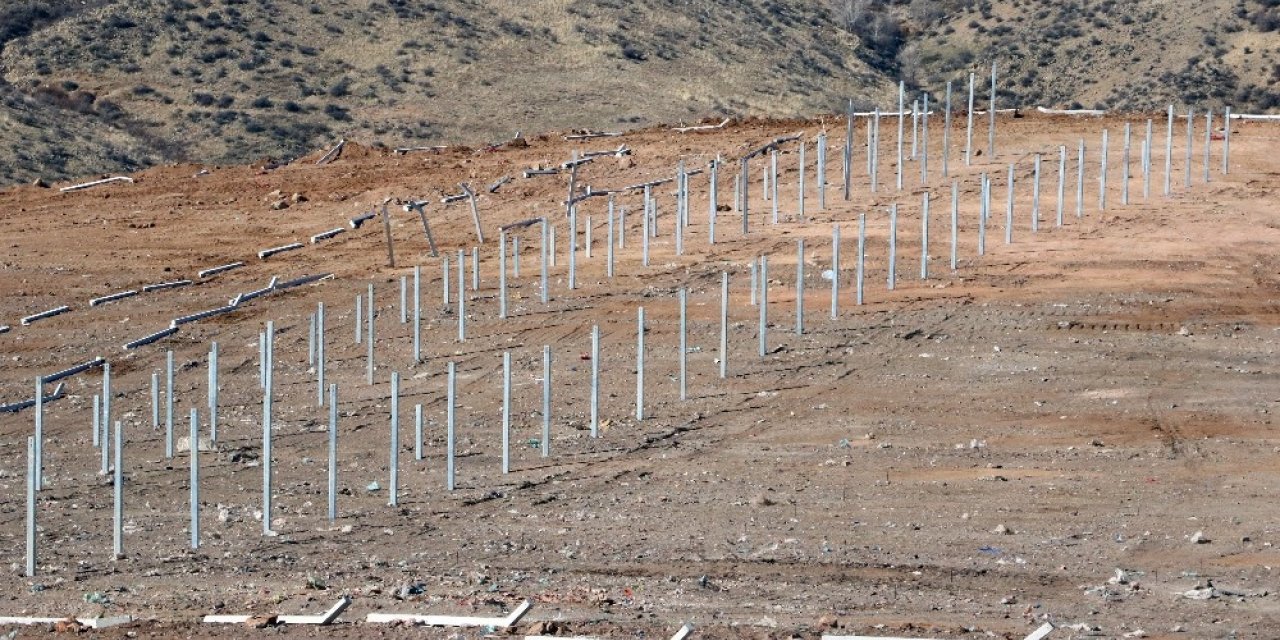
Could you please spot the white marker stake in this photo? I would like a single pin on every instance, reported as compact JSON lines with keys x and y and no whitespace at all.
{"x":502,"y":279}
{"x":1226,"y":141}
{"x":39,"y":435}
{"x":608,"y":253}
{"x":212,"y":394}
{"x":417,"y":316}
{"x":404,"y":300}
{"x":924,"y":143}
{"x":475,"y":268}
{"x":445,"y":275}
{"x":1168,"y":151}
{"x":773,"y":171}
{"x":982,"y":215}
{"x":1146,"y":162}
{"x":800,"y":187}
{"x":573,"y":249}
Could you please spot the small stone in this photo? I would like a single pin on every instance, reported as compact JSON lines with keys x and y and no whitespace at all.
{"x":279,"y":205}
{"x":828,"y":622}
{"x":40,"y":184}
{"x":1002,"y":530}
{"x":297,"y":197}
{"x":1009,"y":600}
{"x":762,"y":500}
{"x":373,"y":486}
{"x":1199,"y":538}
{"x":261,"y":622}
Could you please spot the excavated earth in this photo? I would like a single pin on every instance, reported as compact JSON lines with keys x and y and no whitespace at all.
{"x":1075,"y":427}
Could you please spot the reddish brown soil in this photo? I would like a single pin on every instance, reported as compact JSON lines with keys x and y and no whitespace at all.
{"x":1102,"y":390}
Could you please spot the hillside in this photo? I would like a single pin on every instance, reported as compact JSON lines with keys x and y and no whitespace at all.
{"x":113,"y":85}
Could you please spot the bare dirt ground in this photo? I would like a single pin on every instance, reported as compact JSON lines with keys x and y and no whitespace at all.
{"x":965,"y":456}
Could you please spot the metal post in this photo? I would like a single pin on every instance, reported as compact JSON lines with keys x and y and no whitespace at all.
{"x":446,"y":274}
{"x":846,"y":155}
{"x":924,"y":143}
{"x":1035,"y":195}
{"x":640,"y":363}
{"x":33,"y":473}
{"x":267,"y":392}
{"x":595,"y":381}
{"x":370,"y":338}
{"x":608,"y":254}
{"x":417,"y":432}
{"x":117,"y":519}
{"x":968,"y":134}
{"x":1080,"y":181}
{"x":462,"y":297}
{"x":1124,"y":166}
{"x":1226,"y":141}
{"x":800,"y":182}
{"x":502,"y":277}
{"x":644,"y":233}
{"x":862,"y":257}
{"x":893,"y":246}
{"x":1062,"y":183}
{"x":404,"y":300}
{"x":1190,"y":129}
{"x":946,"y":132}
{"x":451,"y":427}
{"x":902,"y":97}
{"x":800,"y":286}
{"x":417,"y":314}
{"x":155,"y":401}
{"x":546,"y":400}
{"x":168,"y":402}
{"x":333,"y":452}
{"x":106,"y":408}
{"x":822,"y":171}
{"x":1102,"y":173}
{"x":724,"y":323}
{"x":573,"y":247}
{"x":393,"y":466}
{"x":194,"y":450}
{"x":506,"y":412}
{"x":713,"y":169}
{"x":915,"y":128}
{"x":39,"y":435}
{"x":924,"y":237}
{"x":475,"y":268}
{"x":1208,"y":141}
{"x":763,"y":297}
{"x":1146,"y":162}
{"x":982,"y":215}
{"x":1168,"y":151}
{"x":106,"y":447}
{"x":212,"y":395}
{"x":874,"y":151}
